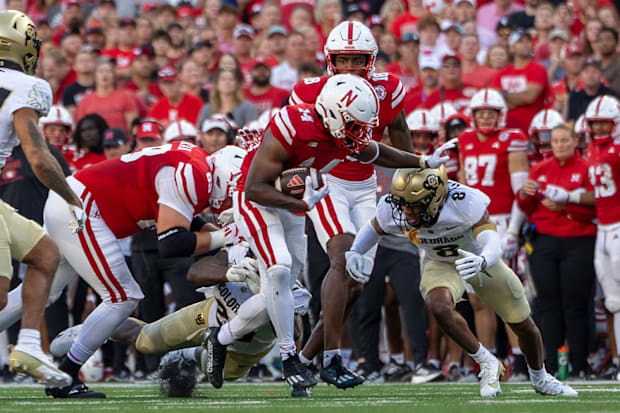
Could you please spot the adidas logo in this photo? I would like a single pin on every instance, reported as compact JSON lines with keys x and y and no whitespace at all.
{"x":295,"y":379}
{"x":295,"y":181}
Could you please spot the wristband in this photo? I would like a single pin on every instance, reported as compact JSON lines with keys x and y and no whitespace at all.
{"x":574,"y":197}
{"x":422,"y":161}
{"x":218,"y":239}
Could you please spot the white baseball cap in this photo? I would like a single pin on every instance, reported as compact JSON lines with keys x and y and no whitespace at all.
{"x":216,"y":122}
{"x":181,"y":129}
{"x":429,"y":61}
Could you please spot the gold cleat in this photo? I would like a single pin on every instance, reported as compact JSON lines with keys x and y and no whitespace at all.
{"x":38,"y":367}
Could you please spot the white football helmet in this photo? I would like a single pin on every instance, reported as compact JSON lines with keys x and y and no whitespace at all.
{"x":488,"y":99}
{"x":181,"y":130}
{"x":57,"y":115}
{"x":442,"y":111}
{"x":351,"y":37}
{"x":421,"y":121}
{"x":226,"y":170}
{"x":348,"y":107}
{"x":603,"y":108}
{"x":540,"y":129}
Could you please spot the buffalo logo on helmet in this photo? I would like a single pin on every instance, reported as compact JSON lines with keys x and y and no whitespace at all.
{"x":381,"y":92}
{"x":432,"y":182}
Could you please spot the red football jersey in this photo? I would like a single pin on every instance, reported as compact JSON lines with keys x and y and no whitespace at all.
{"x":301,"y":132}
{"x":604,"y":173}
{"x":124,"y":187}
{"x":485,"y":165}
{"x":391,"y":94}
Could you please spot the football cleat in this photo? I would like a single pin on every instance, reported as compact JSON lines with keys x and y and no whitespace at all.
{"x":300,"y":392}
{"x":213,"y":359}
{"x":425,"y":373}
{"x":296,"y":374}
{"x":454,"y":372}
{"x":177,"y":375}
{"x":77,"y":390}
{"x":394,"y":372}
{"x":61,"y":344}
{"x":340,"y":376}
{"x":371,"y":373}
{"x":39,"y":367}
{"x":490,"y":372}
{"x":550,"y":386}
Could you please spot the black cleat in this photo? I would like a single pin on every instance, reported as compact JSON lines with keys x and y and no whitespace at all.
{"x":340,"y":376}
{"x":300,"y":392}
{"x":177,"y":376}
{"x":214,"y":358}
{"x":77,"y":390}
{"x":296,"y":374}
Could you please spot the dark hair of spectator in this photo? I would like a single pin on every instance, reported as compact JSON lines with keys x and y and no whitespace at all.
{"x":613,"y":32}
{"x":101,"y":125}
{"x":214,"y":95}
{"x":427,"y":22}
{"x":228,"y":8}
{"x":566,"y":127}
{"x":311,"y":68}
{"x":161,"y":34}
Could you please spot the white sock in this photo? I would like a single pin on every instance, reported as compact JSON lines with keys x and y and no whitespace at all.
{"x":13,"y":310}
{"x":29,"y":340}
{"x":399,"y":358}
{"x":304,"y":360}
{"x":537,"y":375}
{"x":435,"y":363}
{"x":281,"y":307}
{"x":346,"y":355}
{"x":189,"y":353}
{"x":224,"y":336}
{"x":328,"y":355}
{"x":98,"y":327}
{"x":482,"y":355}
{"x":516,"y":351}
{"x":251,"y":315}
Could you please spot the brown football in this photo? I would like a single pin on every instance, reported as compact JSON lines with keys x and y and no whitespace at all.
{"x":293,"y":181}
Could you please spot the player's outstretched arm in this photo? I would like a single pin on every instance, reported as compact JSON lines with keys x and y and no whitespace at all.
{"x":43,"y":163}
{"x":266,"y":166}
{"x":210,"y":270}
{"x":399,"y":133}
{"x":389,"y":157}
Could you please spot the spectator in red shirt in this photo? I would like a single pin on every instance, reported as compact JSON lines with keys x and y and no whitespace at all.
{"x":166,"y":14}
{"x":497,"y":58}
{"x":560,"y":203}
{"x":191,"y":82}
{"x":161,"y":46}
{"x":474,"y":74}
{"x":242,"y":49}
{"x":563,"y":18}
{"x":407,"y":65}
{"x":140,"y":84}
{"x":560,"y":90}
{"x":429,"y":79}
{"x":177,"y":50}
{"x":260,"y":92}
{"x":144,"y":30}
{"x":88,"y":139}
{"x":451,"y":88}
{"x":70,"y":44}
{"x":453,"y":34}
{"x":524,"y":84}
{"x":95,"y":38}
{"x":123,"y":53}
{"x":408,"y":21}
{"x":327,"y":14}
{"x":117,"y":107}
{"x":72,"y":19}
{"x":301,"y":16}
{"x":175,"y":104}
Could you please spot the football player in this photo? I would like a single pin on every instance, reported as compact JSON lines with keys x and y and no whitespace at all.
{"x":602,"y":119}
{"x":57,"y":127}
{"x":540,"y":133}
{"x":23,"y":99}
{"x":424,"y":129}
{"x":231,"y":284}
{"x":450,"y":222}
{"x":350,"y":48}
{"x":313,"y":136}
{"x":163,"y":187}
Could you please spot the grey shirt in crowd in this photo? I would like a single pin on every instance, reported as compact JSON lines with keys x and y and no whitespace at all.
{"x":612,"y":73}
{"x":242,"y":114}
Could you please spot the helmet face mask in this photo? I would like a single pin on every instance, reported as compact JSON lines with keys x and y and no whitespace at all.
{"x":349,"y":65}
{"x":417,"y":196}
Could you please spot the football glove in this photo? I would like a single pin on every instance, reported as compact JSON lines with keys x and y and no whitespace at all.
{"x":510,"y":246}
{"x":561,"y":195}
{"x":470,"y":265}
{"x":78,"y":219}
{"x":246,"y":271}
{"x":358,"y":266}
{"x":313,"y":196}
{"x":436,"y":160}
{"x":231,"y":232}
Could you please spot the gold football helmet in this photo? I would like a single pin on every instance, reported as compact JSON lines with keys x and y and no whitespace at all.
{"x":19,"y":43}
{"x":423,"y":190}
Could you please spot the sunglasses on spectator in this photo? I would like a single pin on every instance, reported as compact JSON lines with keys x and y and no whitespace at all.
{"x":451,"y":64}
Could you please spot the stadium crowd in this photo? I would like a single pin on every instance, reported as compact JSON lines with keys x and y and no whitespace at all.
{"x":128,"y":75}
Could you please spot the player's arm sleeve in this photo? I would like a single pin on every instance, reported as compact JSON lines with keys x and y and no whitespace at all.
{"x":489,"y":241}
{"x":366,"y":237}
{"x":175,"y":188}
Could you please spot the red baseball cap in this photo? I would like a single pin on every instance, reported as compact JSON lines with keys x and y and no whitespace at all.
{"x":573,"y":49}
{"x":186,"y":11}
{"x":451,"y":56}
{"x":149,"y":129}
{"x":266,"y":61}
{"x":167,"y":73}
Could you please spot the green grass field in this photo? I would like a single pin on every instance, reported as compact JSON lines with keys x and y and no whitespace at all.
{"x":429,"y":398}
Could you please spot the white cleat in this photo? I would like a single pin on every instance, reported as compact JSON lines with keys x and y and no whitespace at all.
{"x":61,"y":344}
{"x":39,"y":367}
{"x":550,"y":386}
{"x":490,"y":373}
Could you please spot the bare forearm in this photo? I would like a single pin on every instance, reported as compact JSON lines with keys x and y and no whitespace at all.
{"x":395,"y":158}
{"x":399,"y":133}
{"x":268,"y":195}
{"x":522,"y":98}
{"x":206,"y":274}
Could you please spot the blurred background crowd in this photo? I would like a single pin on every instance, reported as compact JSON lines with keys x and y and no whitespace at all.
{"x":131,"y":74}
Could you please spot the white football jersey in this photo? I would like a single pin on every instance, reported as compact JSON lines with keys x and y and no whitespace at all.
{"x":19,"y":90}
{"x":463,"y":208}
